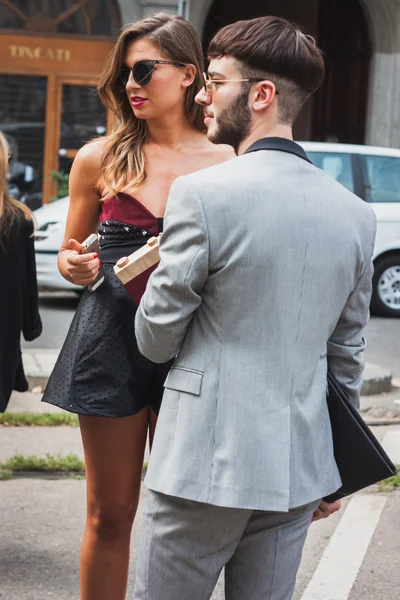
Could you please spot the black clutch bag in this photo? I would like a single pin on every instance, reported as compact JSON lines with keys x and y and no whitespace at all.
{"x":360,"y":458}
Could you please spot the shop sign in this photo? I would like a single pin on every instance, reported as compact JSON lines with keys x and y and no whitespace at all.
{"x":57,"y":55}
{"x":40,"y":53}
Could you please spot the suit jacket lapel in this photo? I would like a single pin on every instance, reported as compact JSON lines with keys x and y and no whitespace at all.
{"x":279,"y":144}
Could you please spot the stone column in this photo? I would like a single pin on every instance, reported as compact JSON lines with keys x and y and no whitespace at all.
{"x":198,"y":10}
{"x":151,"y":6}
{"x":383,"y":120}
{"x":130,"y":10}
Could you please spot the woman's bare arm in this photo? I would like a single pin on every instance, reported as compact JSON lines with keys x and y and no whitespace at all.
{"x":83,"y":215}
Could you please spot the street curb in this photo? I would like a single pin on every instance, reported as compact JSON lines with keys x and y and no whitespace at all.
{"x":50,"y":475}
{"x":38,"y":366}
{"x":383,"y":422}
{"x":36,"y":381}
{"x":44,"y":474}
{"x":376,"y":380}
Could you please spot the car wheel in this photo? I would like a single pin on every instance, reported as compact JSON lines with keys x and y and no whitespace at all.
{"x":386,"y":287}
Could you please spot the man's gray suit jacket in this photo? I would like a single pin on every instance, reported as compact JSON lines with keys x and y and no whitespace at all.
{"x":264,"y":283}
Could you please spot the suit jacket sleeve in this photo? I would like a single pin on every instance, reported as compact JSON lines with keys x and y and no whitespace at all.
{"x":32,"y":324}
{"x":347,"y":343}
{"x":173,"y":292}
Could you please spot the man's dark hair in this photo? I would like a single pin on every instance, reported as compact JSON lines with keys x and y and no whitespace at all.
{"x":275,"y":49}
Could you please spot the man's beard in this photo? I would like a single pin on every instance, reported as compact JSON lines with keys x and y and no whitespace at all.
{"x":233,"y":124}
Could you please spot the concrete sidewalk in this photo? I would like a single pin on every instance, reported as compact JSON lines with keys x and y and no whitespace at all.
{"x":39,"y":441}
{"x":63,"y":440}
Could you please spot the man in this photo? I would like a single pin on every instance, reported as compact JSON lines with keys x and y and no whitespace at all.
{"x":264,"y":282}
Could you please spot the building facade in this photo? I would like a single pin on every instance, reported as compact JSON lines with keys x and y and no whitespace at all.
{"x":51,"y":52}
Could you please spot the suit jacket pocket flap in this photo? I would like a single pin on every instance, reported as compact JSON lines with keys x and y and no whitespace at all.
{"x":184,"y":380}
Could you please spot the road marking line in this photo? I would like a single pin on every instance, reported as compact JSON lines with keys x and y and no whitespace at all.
{"x":391,"y":444}
{"x":345,"y":553}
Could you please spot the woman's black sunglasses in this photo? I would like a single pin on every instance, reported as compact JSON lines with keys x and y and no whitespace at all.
{"x":142,"y":71}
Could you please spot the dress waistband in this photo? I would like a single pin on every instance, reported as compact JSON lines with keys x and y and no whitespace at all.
{"x":117,"y":239}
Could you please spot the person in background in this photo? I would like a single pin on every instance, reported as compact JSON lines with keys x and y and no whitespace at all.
{"x":122,"y":181}
{"x":19,"y":293}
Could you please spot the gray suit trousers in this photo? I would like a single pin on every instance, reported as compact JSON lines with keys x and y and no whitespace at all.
{"x":185,"y":545}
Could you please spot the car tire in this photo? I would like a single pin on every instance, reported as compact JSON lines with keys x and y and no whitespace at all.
{"x":385,"y":300}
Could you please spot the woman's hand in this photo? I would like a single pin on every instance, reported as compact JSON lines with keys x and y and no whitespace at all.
{"x":82,"y":268}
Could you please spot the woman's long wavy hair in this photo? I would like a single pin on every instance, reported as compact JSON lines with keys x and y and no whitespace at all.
{"x":123,"y":161}
{"x":10,"y":209}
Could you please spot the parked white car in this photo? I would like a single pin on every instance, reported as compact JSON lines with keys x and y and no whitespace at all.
{"x":373,"y":174}
{"x":370,"y":172}
{"x":50,"y":220}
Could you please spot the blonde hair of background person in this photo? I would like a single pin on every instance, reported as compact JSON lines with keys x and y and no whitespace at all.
{"x":153,"y":142}
{"x":9,"y":208}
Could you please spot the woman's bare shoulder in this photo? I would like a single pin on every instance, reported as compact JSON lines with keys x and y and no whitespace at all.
{"x":85,"y":177}
{"x":87,"y":166}
{"x":92,"y":153}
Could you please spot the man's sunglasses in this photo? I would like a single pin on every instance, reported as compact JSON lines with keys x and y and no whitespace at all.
{"x":142,"y":71}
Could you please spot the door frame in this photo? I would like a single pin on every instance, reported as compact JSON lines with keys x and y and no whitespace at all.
{"x":53,"y":125}
{"x":59,"y":59}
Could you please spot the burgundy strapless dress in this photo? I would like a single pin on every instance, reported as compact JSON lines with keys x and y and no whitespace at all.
{"x":100,"y":371}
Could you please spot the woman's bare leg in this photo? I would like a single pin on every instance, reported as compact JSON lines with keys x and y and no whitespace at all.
{"x":114,"y":450}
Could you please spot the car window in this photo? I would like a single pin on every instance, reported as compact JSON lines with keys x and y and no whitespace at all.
{"x":383,"y":178}
{"x":335,"y":164}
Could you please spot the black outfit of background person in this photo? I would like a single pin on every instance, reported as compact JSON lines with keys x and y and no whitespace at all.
{"x":18,"y":304}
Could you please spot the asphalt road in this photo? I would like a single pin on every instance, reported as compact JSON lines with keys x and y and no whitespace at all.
{"x":42,"y":524}
{"x":57,"y":310}
{"x":383,"y":339}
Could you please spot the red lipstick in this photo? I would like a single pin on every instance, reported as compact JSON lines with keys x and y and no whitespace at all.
{"x":137,"y":101}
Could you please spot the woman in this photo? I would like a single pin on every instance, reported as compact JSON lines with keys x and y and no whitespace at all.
{"x":19,"y":296}
{"x":123,"y":181}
